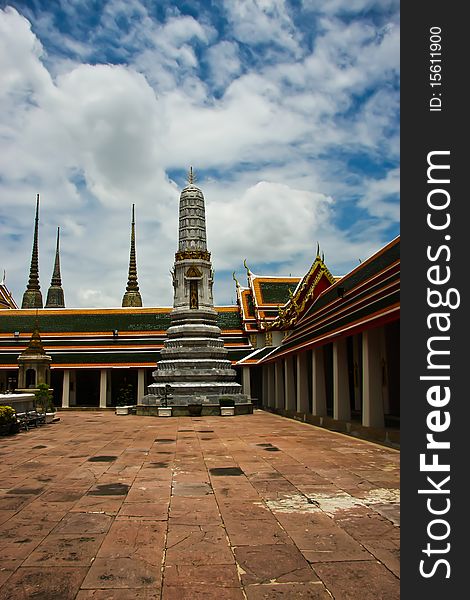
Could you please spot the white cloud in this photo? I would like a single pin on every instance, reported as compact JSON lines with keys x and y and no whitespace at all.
{"x":268,"y":222}
{"x":378,"y":196}
{"x":224,"y":63}
{"x":263,"y":21}
{"x":95,"y":138}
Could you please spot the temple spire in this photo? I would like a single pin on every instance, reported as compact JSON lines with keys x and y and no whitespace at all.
{"x":55,"y":294}
{"x":132,"y":296}
{"x":191,"y":176}
{"x":32,"y":298}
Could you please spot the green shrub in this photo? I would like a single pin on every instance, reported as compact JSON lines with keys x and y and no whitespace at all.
{"x":7,"y":415}
{"x":44,"y":398}
{"x":126,"y":396}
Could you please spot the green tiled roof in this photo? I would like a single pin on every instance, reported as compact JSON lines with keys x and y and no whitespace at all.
{"x":90,"y":322}
{"x":276,"y":292}
{"x":229,"y":320}
{"x":66,"y":322}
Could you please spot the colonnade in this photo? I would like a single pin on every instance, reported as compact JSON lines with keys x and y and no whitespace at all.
{"x":332,"y":380}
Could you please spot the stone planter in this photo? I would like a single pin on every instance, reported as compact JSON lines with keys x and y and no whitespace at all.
{"x":5,"y":429}
{"x":164,"y":411}
{"x":123,"y":410}
{"x":227,"y":411}
{"x":50,"y":417}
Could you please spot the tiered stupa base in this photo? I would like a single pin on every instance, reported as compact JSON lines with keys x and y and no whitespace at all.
{"x":194,"y":365}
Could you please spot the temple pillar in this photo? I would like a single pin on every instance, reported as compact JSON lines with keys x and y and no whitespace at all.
{"x":289,"y":383}
{"x":318,"y":383}
{"x":271,"y":386}
{"x":246,"y":381}
{"x":73,"y":388}
{"x":302,"y":383}
{"x":264,"y":385}
{"x":357,"y":350}
{"x":140,"y":385}
{"x":66,"y":389}
{"x":341,"y":405}
{"x":103,"y":387}
{"x":372,"y":402}
{"x":279,"y":384}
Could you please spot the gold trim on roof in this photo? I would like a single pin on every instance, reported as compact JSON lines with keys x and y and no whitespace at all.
{"x":291,"y":311}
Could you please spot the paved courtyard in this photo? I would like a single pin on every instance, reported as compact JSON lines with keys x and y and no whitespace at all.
{"x":251,"y":507}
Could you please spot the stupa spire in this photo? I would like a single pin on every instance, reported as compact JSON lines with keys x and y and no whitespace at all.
{"x":55,"y":293}
{"x":192,"y":221}
{"x":191,"y":176}
{"x":132,"y":295}
{"x":193,"y":361}
{"x":32,"y":298}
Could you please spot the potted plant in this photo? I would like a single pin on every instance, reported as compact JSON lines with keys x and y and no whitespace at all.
{"x":8,"y":423}
{"x":44,"y":402}
{"x":125,"y":400}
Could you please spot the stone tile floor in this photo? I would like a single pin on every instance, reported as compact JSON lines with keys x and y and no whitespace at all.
{"x":107,"y":507}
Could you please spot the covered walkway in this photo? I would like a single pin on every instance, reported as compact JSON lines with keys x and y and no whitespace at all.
{"x":250,"y":507}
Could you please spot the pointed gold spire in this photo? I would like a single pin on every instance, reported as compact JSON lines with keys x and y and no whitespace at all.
{"x":55,"y":293}
{"x":132,"y":296}
{"x":32,"y":298}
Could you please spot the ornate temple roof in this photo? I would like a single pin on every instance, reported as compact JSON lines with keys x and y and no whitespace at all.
{"x":6,"y":297}
{"x":367,"y":296}
{"x":317,"y":279}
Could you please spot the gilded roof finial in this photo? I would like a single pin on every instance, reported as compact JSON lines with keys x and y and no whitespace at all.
{"x":248,"y":272}
{"x":318,"y":249}
{"x":191,"y":176}
{"x":235,"y":279}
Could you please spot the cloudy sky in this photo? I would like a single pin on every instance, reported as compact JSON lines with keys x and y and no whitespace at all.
{"x":288,"y":110}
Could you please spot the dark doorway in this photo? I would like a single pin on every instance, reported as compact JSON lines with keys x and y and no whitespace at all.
{"x":30,"y":378}
{"x":57,"y":384}
{"x":88,"y":387}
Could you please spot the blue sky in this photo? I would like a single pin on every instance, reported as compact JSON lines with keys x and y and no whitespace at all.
{"x":287,"y":110}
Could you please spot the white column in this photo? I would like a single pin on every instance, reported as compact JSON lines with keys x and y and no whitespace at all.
{"x":246,"y":383}
{"x":271,"y":386}
{"x":66,"y":389}
{"x":279,"y":384}
{"x":302,"y":383}
{"x":357,"y":350}
{"x":341,"y":406}
{"x":73,"y":387}
{"x":384,"y":370}
{"x":264,"y":385}
{"x":372,"y":402}
{"x":103,"y":387}
{"x":140,"y":385}
{"x":318,"y":383}
{"x":289,"y":383}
